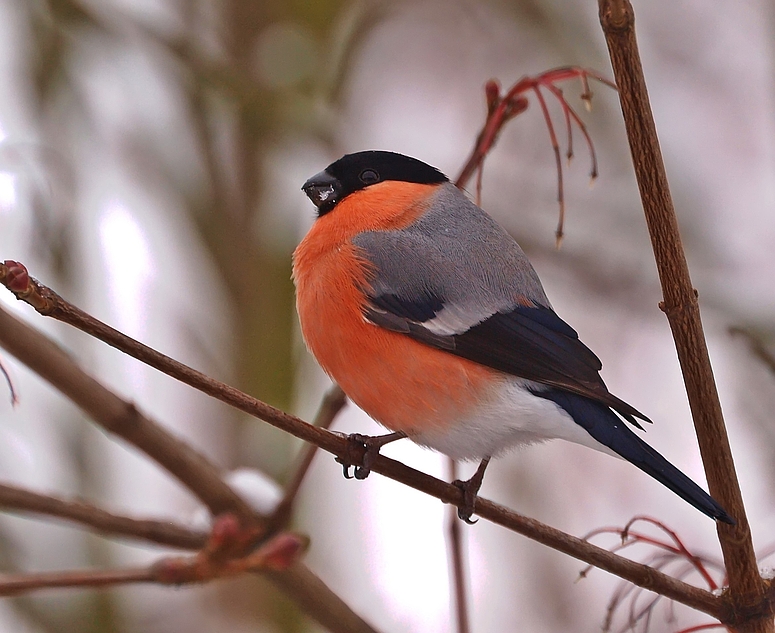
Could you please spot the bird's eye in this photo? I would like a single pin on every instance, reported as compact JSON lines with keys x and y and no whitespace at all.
{"x":369,"y":176}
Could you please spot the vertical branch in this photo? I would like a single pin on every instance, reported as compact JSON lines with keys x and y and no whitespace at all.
{"x":459,"y":595}
{"x":333,"y":402}
{"x":681,"y":307}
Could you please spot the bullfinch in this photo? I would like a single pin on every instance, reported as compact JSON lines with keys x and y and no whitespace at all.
{"x":432,"y":320}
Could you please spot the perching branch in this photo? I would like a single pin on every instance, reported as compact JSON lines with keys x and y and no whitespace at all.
{"x":746,"y":588}
{"x":12,"y":332}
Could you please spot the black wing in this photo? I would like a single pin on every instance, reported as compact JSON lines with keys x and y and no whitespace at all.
{"x":529,"y":342}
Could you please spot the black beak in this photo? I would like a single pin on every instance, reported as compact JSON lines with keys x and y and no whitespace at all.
{"x":324,"y":190}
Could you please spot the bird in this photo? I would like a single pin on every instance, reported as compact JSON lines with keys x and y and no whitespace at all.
{"x":432,"y":320}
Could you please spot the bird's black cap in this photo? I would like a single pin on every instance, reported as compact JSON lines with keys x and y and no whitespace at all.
{"x":354,"y":172}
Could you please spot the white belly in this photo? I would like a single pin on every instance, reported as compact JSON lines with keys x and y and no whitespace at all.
{"x":512,"y":417}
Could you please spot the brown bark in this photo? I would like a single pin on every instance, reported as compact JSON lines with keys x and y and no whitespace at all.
{"x":746,"y":594}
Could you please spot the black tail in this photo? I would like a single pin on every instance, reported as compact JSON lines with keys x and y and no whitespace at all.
{"x":608,"y":429}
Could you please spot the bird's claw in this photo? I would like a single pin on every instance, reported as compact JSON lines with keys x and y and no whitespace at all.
{"x":467,"y":508}
{"x":356,"y":443}
{"x":470,"y":489}
{"x":369,"y":447}
{"x":345,"y":468}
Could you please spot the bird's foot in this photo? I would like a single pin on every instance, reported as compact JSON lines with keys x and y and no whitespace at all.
{"x":470,"y":488}
{"x":369,"y":446}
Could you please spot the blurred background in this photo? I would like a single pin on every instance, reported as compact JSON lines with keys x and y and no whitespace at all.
{"x":151,"y":158}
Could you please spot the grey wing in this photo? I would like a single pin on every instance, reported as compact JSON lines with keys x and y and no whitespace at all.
{"x":455,"y":254}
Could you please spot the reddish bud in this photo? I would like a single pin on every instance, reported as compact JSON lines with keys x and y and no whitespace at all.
{"x":18,"y":279}
{"x":516,"y":105}
{"x":172,"y":571}
{"x":282,"y":551}
{"x":225,"y":533}
{"x":492,"y":93}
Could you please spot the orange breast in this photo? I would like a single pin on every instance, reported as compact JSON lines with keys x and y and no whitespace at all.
{"x":403,"y":384}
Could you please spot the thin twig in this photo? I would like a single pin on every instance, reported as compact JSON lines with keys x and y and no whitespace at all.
{"x":557,"y":162}
{"x":9,"y":382}
{"x":670,"y":553}
{"x":333,"y":402}
{"x":681,"y":549}
{"x":682,"y":309}
{"x":279,"y":553}
{"x":703,"y":627}
{"x":501,"y":109}
{"x":638,"y":538}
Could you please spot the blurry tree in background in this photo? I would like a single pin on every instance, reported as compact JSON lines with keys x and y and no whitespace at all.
{"x":151,"y":155}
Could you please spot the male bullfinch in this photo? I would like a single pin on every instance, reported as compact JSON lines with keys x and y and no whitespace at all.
{"x":432,"y":320}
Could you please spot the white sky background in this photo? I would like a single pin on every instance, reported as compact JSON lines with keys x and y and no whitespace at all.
{"x":416,"y":87}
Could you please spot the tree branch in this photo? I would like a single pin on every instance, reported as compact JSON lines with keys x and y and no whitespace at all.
{"x":457,"y":560}
{"x":277,"y":553}
{"x":14,"y":584}
{"x":746,"y":587}
{"x":21,"y":500}
{"x":121,"y":418}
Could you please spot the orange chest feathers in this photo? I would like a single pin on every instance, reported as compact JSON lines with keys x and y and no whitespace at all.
{"x":401,"y":383}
